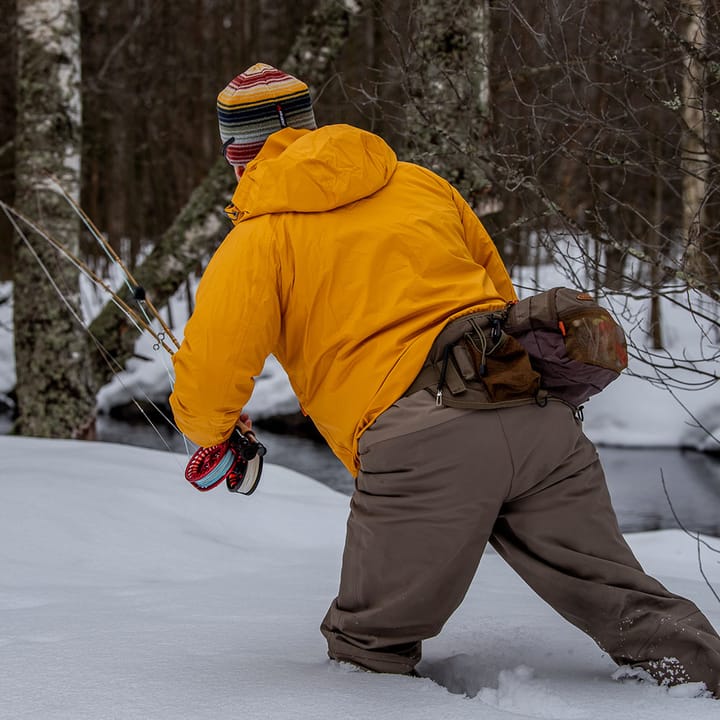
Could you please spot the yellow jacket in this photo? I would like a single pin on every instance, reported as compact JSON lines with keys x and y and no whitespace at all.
{"x":345,"y":264}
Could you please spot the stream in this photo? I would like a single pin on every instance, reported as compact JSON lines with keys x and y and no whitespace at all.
{"x":634,"y":475}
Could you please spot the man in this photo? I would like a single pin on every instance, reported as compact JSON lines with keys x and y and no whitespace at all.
{"x":364,"y":276}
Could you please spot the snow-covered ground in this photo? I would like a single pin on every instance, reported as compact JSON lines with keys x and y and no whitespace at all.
{"x":126,"y":594}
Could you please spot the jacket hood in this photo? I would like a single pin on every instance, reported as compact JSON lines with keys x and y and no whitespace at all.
{"x":312,"y":171}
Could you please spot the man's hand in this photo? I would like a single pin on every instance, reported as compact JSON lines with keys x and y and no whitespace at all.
{"x":244,"y":423}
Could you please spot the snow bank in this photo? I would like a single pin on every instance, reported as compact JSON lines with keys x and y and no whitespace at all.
{"x":126,"y":594}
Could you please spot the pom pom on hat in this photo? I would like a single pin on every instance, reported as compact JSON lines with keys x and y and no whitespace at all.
{"x":257,"y":103}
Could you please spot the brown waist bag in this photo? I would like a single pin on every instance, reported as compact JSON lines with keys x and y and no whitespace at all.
{"x":574,"y":344}
{"x":474,"y":364}
{"x":500,"y":362}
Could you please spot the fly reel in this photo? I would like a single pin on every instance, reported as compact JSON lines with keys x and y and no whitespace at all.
{"x":238,"y":461}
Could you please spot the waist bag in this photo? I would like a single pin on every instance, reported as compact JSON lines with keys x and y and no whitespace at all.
{"x":475,"y":364}
{"x":574,"y":344}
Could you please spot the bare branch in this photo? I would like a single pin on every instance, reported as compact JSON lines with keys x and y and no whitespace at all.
{"x":694,"y":536}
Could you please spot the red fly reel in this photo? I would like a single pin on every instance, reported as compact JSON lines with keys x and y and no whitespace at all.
{"x":238,"y":461}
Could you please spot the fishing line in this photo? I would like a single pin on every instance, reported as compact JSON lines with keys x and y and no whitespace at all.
{"x":104,"y":352}
{"x":139,"y":324}
{"x":137,"y":291}
{"x":97,"y":235}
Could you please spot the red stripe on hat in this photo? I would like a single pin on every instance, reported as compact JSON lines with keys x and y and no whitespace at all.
{"x":242,"y":154}
{"x":264,"y":78}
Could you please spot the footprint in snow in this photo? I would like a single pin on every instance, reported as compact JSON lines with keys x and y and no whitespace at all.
{"x":516,"y":690}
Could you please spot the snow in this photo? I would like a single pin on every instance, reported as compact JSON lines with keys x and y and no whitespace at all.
{"x":126,"y":594}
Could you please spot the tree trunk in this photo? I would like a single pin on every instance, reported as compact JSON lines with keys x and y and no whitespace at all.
{"x":53,"y":393}
{"x":201,"y":225}
{"x":7,"y":135}
{"x":656,"y":275}
{"x":695,"y":158}
{"x":448,"y":84}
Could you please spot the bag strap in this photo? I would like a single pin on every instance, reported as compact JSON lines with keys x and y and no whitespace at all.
{"x":429,"y":376}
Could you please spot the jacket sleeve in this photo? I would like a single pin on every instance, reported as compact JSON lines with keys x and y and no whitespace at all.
{"x":483,"y":249}
{"x":234,"y":327}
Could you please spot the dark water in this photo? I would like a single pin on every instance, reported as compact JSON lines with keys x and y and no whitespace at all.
{"x":634,"y":476}
{"x":692,"y":488}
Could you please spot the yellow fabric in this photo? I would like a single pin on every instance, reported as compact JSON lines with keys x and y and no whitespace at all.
{"x":345,"y":264}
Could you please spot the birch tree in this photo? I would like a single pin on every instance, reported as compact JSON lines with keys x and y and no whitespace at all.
{"x":53,"y":393}
{"x":694,"y":154}
{"x":7,"y":134}
{"x":447,"y":80}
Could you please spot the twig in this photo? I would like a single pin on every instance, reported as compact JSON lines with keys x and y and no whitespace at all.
{"x":694,"y":417}
{"x":695,"y":537}
{"x":9,"y":145}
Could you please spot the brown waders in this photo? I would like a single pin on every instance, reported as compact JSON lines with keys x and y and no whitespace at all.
{"x":437,"y":483}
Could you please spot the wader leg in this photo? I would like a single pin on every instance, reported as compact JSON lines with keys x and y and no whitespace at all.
{"x":418,"y":524}
{"x":562,"y":537}
{"x":435,"y":482}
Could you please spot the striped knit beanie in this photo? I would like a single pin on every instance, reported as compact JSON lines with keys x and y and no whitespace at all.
{"x":257,"y":103}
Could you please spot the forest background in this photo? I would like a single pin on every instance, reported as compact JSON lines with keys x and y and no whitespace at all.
{"x":575,"y":128}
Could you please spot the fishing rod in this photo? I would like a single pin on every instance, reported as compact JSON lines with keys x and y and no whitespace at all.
{"x":135,"y":288}
{"x":140,"y":324}
{"x":239,"y":459}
